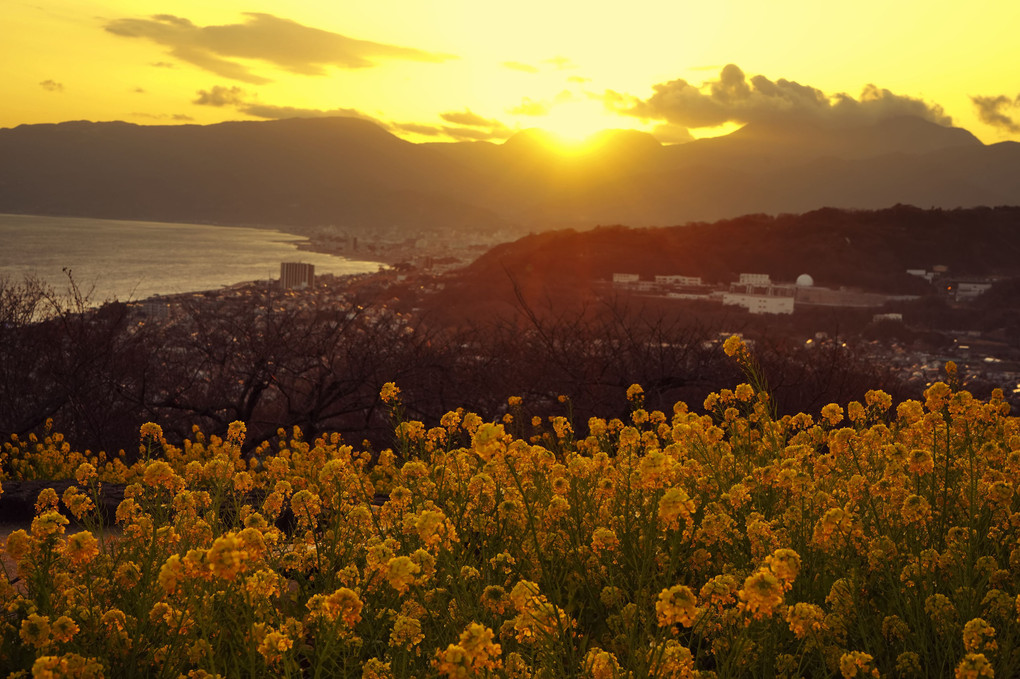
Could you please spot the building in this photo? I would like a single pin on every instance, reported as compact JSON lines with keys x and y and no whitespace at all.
{"x":679,"y":281}
{"x":760,"y":304}
{"x":296,"y":275}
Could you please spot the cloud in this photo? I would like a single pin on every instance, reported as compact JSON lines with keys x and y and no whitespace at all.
{"x":460,"y":133}
{"x":469,"y":118}
{"x":263,"y":37}
{"x":559,"y":62}
{"x":994,"y":111}
{"x":248,"y":104}
{"x":163,"y":64}
{"x":52,"y":86}
{"x":221,"y":96}
{"x":177,"y":117}
{"x":270,"y":112}
{"x":578,"y":79}
{"x":735,"y":98}
{"x":472,"y":127}
{"x":523,"y":68}
{"x":529,"y":107}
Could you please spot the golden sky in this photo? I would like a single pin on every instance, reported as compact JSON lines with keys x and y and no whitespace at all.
{"x":442,"y":70}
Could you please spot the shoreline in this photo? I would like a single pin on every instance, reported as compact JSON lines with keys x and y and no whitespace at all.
{"x":159,"y":263}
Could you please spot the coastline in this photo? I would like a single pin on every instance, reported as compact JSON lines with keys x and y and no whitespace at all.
{"x":136,"y":260}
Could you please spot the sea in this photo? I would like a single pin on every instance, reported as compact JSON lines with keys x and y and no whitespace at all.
{"x":133,"y":260}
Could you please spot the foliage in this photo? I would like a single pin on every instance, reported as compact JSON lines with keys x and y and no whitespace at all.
{"x":867,"y":540}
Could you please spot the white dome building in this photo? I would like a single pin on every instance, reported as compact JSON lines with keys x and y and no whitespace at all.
{"x":805,"y":281}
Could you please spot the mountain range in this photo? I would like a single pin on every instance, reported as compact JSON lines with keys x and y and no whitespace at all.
{"x":351,"y":172}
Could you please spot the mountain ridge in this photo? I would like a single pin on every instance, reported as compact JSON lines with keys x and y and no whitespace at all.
{"x":350,"y":171}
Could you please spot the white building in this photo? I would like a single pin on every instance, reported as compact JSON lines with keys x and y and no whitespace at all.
{"x":760,"y":304}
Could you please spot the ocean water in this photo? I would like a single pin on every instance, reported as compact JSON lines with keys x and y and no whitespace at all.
{"x":131,"y":260}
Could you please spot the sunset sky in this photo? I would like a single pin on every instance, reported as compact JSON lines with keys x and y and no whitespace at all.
{"x":442,"y":70}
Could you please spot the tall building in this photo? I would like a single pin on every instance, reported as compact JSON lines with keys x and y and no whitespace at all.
{"x":296,"y":275}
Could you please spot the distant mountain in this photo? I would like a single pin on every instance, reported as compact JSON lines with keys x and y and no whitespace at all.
{"x":348,"y":171}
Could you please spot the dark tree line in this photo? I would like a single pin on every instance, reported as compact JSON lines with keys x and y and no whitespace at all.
{"x":281,"y":359}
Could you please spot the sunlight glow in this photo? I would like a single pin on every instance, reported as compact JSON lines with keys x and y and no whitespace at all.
{"x":571,"y":125}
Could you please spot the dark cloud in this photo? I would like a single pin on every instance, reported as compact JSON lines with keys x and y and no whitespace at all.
{"x":139,"y":90}
{"x":264,"y":37}
{"x":455,"y":133}
{"x":271,"y":112}
{"x":999,"y":112}
{"x":475,"y":134}
{"x":529,"y":107}
{"x":163,"y":64}
{"x":469,"y":118}
{"x":735,"y":98}
{"x":221,"y":96}
{"x":518,"y":66}
{"x":472,"y":127}
{"x":52,"y":86}
{"x":248,"y":104}
{"x":418,"y":128}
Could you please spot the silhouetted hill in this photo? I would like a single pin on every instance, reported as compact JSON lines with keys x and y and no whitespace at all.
{"x":867,"y":249}
{"x":348,"y":171}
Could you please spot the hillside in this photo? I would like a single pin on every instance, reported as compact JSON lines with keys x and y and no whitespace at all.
{"x":871,"y":249}
{"x":350,"y":172}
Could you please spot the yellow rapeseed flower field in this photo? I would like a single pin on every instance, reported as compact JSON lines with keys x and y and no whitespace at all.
{"x":867,"y":540}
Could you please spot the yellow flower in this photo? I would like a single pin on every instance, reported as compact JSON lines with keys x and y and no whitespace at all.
{"x":920,"y":462}
{"x":734,"y":347}
{"x":604,"y":540}
{"x":785,"y":564}
{"x":979,"y":637}
{"x":601,"y":664}
{"x":150,"y":430}
{"x":761,"y":594}
{"x":390,"y":393}
{"x":400,"y":572}
{"x":833,"y":414}
{"x":64,"y":667}
{"x":64,"y":629}
{"x":804,"y":618}
{"x":974,"y":666}
{"x":376,"y":669}
{"x":274,"y":645}
{"x":35,"y":630}
{"x":236,"y":432}
{"x":473,"y":655}
{"x":406,"y":632}
{"x":674,"y":504}
{"x":857,"y":664}
{"x":85,"y":473}
{"x":49,"y":524}
{"x":18,"y":544}
{"x":676,"y":605}
{"x":226,"y":558}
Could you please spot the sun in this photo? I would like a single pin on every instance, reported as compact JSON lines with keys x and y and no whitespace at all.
{"x":572,"y":125}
